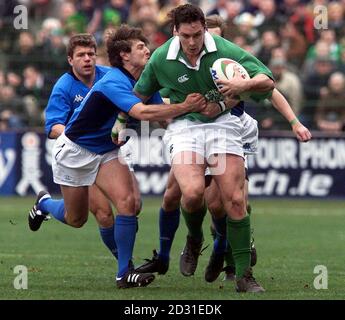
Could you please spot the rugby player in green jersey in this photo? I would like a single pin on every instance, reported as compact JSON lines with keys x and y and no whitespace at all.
{"x":183,"y":66}
{"x":194,"y":240}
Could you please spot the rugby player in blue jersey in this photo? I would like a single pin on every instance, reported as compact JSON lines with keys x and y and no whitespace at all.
{"x":67,"y":94}
{"x":84,"y":153}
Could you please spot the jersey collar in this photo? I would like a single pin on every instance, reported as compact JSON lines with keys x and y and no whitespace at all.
{"x":174,"y":52}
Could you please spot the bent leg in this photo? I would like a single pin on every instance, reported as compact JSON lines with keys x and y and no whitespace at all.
{"x":101,"y":208}
{"x":76,"y":205}
{"x":114,"y":179}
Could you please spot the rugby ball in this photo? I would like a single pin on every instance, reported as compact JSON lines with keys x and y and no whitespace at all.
{"x":223,"y":69}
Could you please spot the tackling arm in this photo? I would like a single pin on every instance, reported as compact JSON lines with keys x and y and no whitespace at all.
{"x":194,"y":102}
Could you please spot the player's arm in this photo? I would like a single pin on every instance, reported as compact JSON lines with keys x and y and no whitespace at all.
{"x":237,"y":85}
{"x":58,"y":110}
{"x":213,"y":109}
{"x":56,"y":131}
{"x":281,"y":104}
{"x":194,"y":102}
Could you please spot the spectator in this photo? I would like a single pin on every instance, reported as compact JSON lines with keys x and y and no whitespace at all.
{"x":330,"y":112}
{"x":267,"y":17}
{"x":54,"y":55}
{"x":314,"y":87}
{"x":336,"y":18}
{"x":294,"y":42}
{"x":24,"y":53}
{"x":35,"y":91}
{"x":152,"y":33}
{"x":142,"y":10}
{"x":233,"y":10}
{"x":245,"y":26}
{"x":7,"y":32}
{"x":115,"y":12}
{"x":11,"y":112}
{"x":269,"y":41}
{"x":296,"y":13}
{"x":327,"y":38}
{"x":220,"y":9}
{"x":92,"y":13}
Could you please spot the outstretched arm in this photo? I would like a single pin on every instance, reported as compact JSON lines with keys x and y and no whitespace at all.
{"x":281,"y":104}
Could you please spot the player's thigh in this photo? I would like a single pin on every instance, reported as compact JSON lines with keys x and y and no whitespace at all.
{"x":115,"y":180}
{"x":76,"y":202}
{"x":100,"y":206}
{"x":231,"y":182}
{"x":214,"y":200}
{"x":189,"y":170}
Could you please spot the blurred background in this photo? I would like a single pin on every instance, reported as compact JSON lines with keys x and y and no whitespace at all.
{"x":303,"y":45}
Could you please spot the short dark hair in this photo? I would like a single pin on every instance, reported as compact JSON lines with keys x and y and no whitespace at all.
{"x":120,"y":40}
{"x":186,"y":13}
{"x":80,"y":39}
{"x":215,"y":21}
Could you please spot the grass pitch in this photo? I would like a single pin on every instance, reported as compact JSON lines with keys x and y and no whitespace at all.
{"x":291,"y":236}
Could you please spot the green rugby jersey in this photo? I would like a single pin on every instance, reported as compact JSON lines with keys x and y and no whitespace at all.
{"x":169,"y":68}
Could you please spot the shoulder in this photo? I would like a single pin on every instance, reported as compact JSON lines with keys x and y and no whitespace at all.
{"x":65,"y":82}
{"x":161,"y":52}
{"x":115,"y":78}
{"x":222,"y":43}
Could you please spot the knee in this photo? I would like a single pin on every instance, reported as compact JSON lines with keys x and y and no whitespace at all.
{"x":193,"y":198}
{"x":104,"y":217}
{"x":77,"y":222}
{"x":125,"y":203}
{"x":238,"y":205}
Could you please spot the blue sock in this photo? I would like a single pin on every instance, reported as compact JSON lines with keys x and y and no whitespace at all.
{"x":108,"y":237}
{"x":168,"y":224}
{"x":125,"y":230}
{"x":219,"y":245}
{"x":55,"y":207}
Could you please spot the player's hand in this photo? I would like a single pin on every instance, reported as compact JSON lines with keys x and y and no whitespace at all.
{"x":212,"y":110}
{"x":195,"y":102}
{"x":301,"y":132}
{"x":233,"y":87}
{"x":119,"y":125}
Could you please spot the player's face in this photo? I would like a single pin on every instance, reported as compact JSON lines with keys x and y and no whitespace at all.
{"x":139,"y":55}
{"x":83,"y":61}
{"x":191,"y":37}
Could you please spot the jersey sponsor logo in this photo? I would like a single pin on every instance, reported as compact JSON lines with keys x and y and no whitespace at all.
{"x":78,"y":98}
{"x":183,"y":78}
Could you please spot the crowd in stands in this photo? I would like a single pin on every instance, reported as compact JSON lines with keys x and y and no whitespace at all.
{"x":302,"y":42}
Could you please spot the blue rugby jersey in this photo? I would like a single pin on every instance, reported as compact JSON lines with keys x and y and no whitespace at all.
{"x":91,"y":123}
{"x":66,"y":96}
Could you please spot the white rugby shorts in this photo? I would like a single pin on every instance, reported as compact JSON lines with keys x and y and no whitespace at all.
{"x":250,"y":135}
{"x":224,"y":135}
{"x":74,"y":165}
